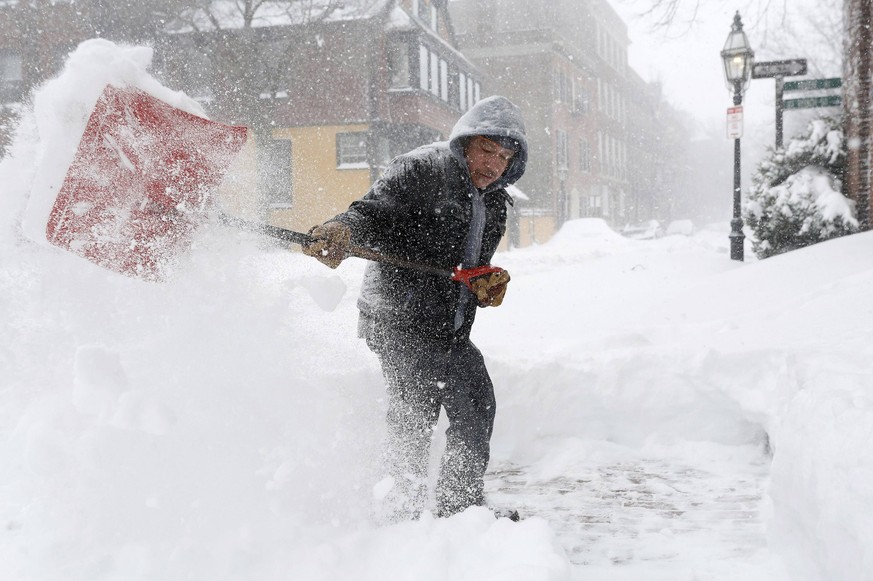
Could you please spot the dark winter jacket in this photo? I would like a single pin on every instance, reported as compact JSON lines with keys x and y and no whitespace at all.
{"x":420,"y":210}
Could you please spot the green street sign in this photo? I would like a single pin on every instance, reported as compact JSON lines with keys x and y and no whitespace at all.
{"x":812,"y":84}
{"x":810,"y":102}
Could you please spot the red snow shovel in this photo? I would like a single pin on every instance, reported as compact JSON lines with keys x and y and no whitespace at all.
{"x":139,"y":183}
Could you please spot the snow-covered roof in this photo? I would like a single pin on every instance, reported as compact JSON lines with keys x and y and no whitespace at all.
{"x":400,"y":19}
{"x":515,"y":193}
{"x":228,"y":14}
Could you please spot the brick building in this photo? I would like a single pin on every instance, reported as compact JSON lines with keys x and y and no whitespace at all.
{"x":35,"y":38}
{"x":857,"y":103}
{"x":597,"y":130}
{"x":342,"y":97}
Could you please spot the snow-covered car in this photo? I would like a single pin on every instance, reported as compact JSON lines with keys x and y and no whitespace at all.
{"x":648,"y":230}
{"x":681,"y":228}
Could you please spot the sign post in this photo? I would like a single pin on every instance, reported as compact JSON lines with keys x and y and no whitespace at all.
{"x":778,"y":70}
{"x":813,"y":85}
{"x":810,"y":102}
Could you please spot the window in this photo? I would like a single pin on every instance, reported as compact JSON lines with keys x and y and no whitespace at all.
{"x":198,"y":72}
{"x":584,"y":155}
{"x":580,"y":99}
{"x":611,"y":157}
{"x":562,"y":87}
{"x":426,"y":11}
{"x":561,"y":148}
{"x":423,"y":67}
{"x":468,"y":91}
{"x":434,"y":74}
{"x":600,"y":165}
{"x":11,"y":77}
{"x":471,"y":98}
{"x":10,"y":67}
{"x":599,"y":95}
{"x":594,"y":206}
{"x":351,"y":150}
{"x":398,"y":65}
{"x":274,"y":173}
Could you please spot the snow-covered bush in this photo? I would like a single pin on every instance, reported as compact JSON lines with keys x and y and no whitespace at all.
{"x":795,"y":198}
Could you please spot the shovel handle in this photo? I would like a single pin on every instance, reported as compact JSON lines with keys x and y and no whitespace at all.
{"x":303,"y":239}
{"x":464,"y":276}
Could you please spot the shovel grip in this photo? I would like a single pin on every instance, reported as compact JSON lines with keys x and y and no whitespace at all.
{"x":466,"y":275}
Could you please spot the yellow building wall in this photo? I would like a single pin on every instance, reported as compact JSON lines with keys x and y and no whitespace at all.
{"x":532,"y":230}
{"x":536,"y":229}
{"x":320,"y":189}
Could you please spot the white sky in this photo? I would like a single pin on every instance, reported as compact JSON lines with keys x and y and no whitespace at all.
{"x":686,"y":58}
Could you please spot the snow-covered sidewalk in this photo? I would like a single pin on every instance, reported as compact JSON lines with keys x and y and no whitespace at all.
{"x":621,"y":515}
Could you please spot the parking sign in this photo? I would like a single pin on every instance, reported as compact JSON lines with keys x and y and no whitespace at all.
{"x":734,"y":122}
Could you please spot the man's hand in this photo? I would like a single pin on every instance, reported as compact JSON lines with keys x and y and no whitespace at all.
{"x":490,"y":288}
{"x":330,"y":243}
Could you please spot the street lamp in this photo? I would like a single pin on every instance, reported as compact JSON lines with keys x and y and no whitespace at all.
{"x":737,"y":55}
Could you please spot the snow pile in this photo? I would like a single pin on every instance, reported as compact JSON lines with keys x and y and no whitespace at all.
{"x":669,"y":348}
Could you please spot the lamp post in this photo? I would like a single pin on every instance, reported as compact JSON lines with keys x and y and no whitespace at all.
{"x":737,"y":56}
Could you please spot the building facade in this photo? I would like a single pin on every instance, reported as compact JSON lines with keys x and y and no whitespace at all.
{"x":35,"y":38}
{"x":331,"y":98}
{"x":595,"y":126}
{"x":344,"y":96}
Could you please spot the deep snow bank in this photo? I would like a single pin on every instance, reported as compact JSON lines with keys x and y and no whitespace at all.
{"x":664,"y":343}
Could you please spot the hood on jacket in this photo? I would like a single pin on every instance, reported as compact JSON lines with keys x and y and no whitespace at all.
{"x":494,"y":117}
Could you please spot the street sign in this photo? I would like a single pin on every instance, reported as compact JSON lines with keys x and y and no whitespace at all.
{"x":734,"y":122}
{"x":812,"y":84}
{"x":810,"y":102}
{"x":789,"y":68}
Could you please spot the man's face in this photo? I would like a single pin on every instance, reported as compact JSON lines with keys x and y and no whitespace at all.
{"x":486,"y":160}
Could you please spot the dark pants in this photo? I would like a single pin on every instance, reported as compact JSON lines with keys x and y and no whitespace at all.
{"x":423,"y":375}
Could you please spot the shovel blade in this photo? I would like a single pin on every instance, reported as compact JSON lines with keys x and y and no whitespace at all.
{"x":140,"y":182}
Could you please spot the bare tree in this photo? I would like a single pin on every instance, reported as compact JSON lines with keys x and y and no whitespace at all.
{"x":676,"y":17}
{"x":815,"y":33}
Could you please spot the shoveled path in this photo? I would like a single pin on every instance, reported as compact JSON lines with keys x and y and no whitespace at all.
{"x":649,"y":519}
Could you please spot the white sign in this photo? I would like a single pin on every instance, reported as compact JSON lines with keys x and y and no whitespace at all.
{"x":734,"y":122}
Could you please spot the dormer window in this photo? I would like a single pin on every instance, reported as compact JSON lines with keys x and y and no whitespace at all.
{"x":11,"y":76}
{"x":426,"y":11}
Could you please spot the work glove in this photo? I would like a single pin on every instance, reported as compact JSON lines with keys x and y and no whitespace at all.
{"x":490,"y":288}
{"x":330,"y":243}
